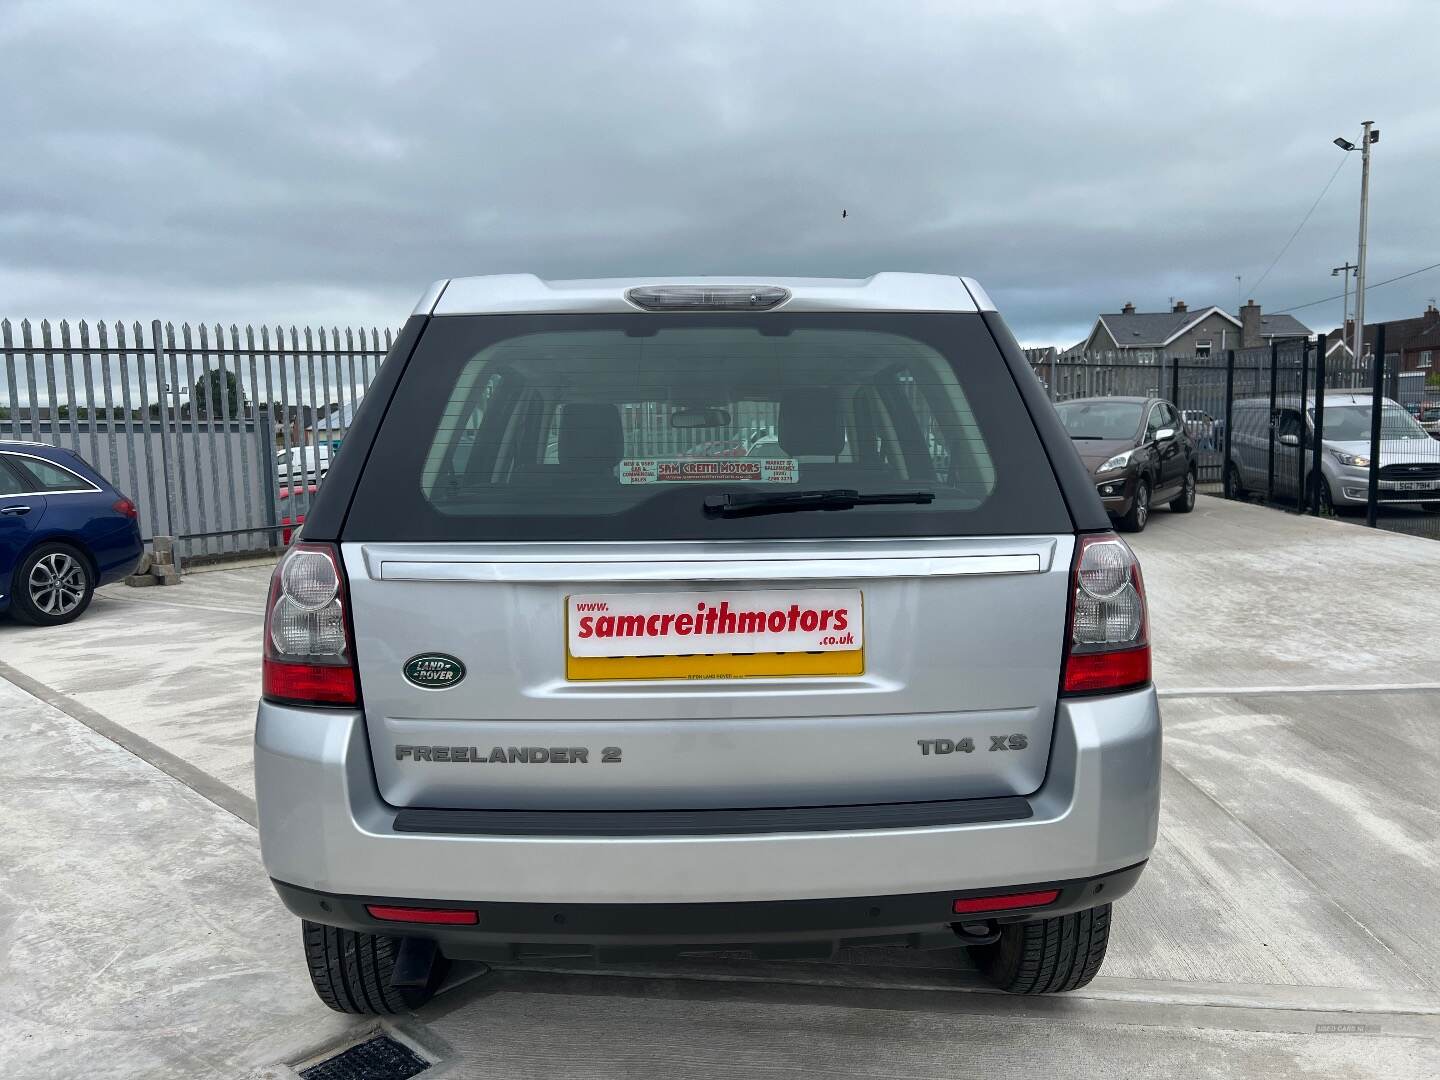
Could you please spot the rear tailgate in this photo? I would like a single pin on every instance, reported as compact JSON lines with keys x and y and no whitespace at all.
{"x":535,"y":472}
{"x":957,"y":645}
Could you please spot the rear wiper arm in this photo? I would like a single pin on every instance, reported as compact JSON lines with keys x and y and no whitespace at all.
{"x":743,"y":505}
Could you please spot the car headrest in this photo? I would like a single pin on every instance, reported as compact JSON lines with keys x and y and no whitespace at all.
{"x":809,"y":424}
{"x":591,"y":439}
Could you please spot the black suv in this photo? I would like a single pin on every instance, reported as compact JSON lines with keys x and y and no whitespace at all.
{"x":1139,"y":452}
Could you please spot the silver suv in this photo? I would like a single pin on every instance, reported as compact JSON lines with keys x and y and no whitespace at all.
{"x":556,"y":671}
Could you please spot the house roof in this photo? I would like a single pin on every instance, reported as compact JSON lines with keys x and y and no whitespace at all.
{"x":1429,"y":339}
{"x":1147,"y":329}
{"x":1337,"y":342}
{"x":1282,"y":326}
{"x":337,"y":417}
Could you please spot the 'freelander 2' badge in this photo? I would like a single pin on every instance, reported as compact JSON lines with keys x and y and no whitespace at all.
{"x":433,"y":671}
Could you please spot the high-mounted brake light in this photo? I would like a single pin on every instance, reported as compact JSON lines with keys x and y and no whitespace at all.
{"x":1107,"y":645}
{"x":309,"y":659}
{"x":707,"y":297}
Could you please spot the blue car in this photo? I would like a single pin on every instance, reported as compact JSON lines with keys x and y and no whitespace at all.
{"x":64,"y":532}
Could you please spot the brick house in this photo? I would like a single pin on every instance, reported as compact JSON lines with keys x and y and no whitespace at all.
{"x":1406,"y":340}
{"x":1422,"y":353}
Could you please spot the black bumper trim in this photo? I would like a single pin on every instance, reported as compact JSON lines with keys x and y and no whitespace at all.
{"x":619,"y":932}
{"x":728,"y":822}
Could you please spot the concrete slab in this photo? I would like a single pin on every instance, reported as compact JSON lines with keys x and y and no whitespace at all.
{"x":1245,"y":596}
{"x":577,"y":1026}
{"x":1345,"y":789}
{"x":177,"y":666}
{"x":139,"y":936}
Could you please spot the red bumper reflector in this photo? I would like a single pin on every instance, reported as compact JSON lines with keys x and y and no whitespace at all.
{"x":1003,"y":903}
{"x":1088,"y":672}
{"x":453,"y":916}
{"x":315,"y":684}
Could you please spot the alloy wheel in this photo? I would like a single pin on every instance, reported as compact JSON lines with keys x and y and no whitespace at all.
{"x":1142,"y":504}
{"x":57,"y":584}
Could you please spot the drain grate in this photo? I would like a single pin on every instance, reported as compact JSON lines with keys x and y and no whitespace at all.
{"x":380,"y":1058}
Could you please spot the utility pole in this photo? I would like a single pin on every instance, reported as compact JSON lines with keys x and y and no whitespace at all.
{"x":1364,"y":226}
{"x":1369,"y":134}
{"x":1346,"y":270}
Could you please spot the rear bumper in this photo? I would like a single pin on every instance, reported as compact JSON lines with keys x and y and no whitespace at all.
{"x":118,"y":553}
{"x":324,"y":827}
{"x":768,"y":929}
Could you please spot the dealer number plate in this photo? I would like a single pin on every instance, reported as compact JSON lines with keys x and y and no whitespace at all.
{"x":714,"y":635}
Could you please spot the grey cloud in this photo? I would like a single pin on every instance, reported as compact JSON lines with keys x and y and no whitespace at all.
{"x":324,"y":161}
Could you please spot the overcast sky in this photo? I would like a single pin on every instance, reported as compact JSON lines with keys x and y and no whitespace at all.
{"x":321,"y":162}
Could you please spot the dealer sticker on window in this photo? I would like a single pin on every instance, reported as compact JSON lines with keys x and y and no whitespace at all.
{"x":690,"y":470}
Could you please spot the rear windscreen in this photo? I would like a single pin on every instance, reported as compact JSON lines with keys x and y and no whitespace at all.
{"x":623,"y":427}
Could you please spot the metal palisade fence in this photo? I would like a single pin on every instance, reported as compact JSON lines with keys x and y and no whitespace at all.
{"x":222,"y":436}
{"x":219,"y":436}
{"x":1257,"y":418}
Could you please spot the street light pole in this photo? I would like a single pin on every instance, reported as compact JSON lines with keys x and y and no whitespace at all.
{"x":1365,"y":141}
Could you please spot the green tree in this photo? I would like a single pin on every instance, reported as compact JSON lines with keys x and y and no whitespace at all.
{"x":211,"y":390}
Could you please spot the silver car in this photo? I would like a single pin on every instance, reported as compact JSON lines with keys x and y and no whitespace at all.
{"x":540,"y":681}
{"x":1409,"y":457}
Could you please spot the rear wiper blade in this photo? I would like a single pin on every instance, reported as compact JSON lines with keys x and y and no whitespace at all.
{"x":742,"y":505}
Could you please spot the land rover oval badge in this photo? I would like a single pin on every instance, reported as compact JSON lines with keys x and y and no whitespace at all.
{"x":433,"y":671}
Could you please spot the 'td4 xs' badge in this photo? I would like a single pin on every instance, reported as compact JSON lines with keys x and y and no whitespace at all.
{"x":433,"y":671}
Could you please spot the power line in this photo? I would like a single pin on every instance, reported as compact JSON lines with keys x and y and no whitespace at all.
{"x":1256,"y":287}
{"x":1337,"y":296}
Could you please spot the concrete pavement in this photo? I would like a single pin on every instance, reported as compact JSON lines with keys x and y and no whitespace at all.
{"x":139,"y":937}
{"x":1286,"y":926}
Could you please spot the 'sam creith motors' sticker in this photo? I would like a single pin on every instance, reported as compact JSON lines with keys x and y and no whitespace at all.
{"x":691,"y":470}
{"x":701,"y":623}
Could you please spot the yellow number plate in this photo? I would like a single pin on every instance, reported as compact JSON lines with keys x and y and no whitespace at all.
{"x":715,"y":635}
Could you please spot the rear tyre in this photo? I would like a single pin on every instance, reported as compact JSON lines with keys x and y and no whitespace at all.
{"x":1048,"y":956}
{"x":52,"y":585}
{"x":1185,"y":501}
{"x":351,"y":971}
{"x":1233,"y":483}
{"x":1139,"y":512}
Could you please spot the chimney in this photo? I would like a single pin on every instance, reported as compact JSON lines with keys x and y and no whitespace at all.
{"x":1179,"y":308}
{"x":1250,"y":326}
{"x":1128,"y":309}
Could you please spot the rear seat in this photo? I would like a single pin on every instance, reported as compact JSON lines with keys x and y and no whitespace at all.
{"x":591,"y":444}
{"x":811,"y":429}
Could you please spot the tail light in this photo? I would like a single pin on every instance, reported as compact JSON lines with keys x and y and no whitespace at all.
{"x":127,"y":508}
{"x":1108,"y":645}
{"x":309,"y":656}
